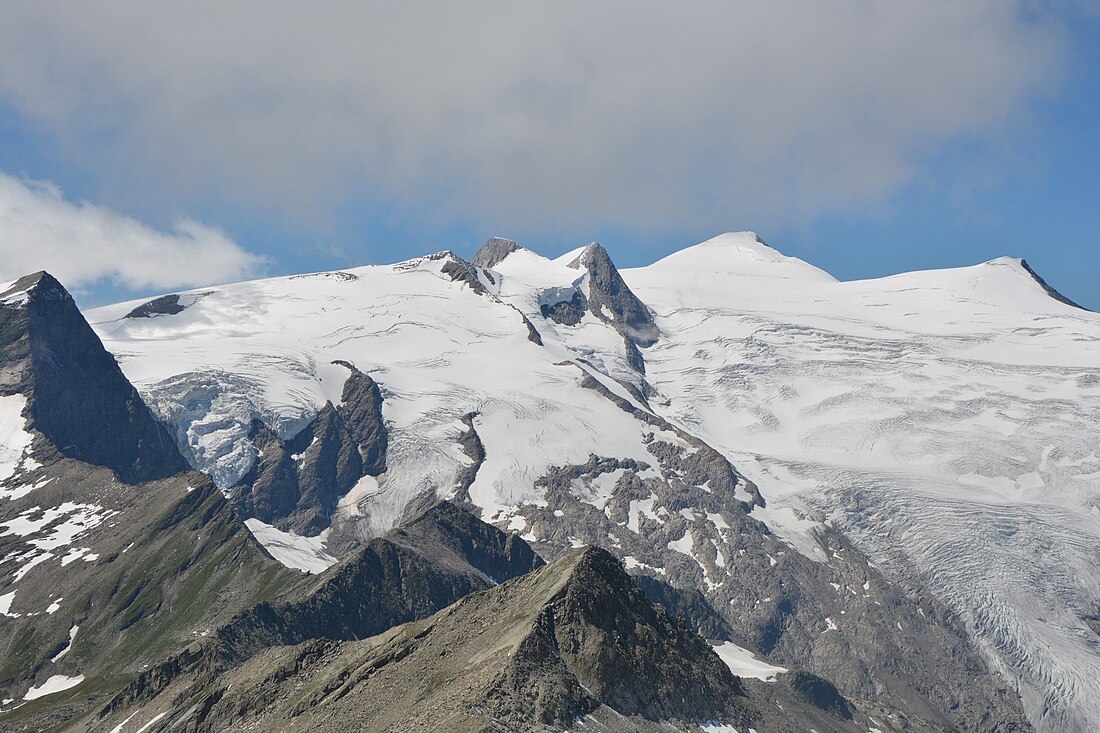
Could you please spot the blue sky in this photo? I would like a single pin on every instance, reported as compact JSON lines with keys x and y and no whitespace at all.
{"x":144,"y":150}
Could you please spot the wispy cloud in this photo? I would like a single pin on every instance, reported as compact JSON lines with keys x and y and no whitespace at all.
{"x":568,"y":112}
{"x":82,"y":244}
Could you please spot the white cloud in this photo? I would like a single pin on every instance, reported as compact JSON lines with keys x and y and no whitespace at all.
{"x":568,"y":112}
{"x":81,"y":244}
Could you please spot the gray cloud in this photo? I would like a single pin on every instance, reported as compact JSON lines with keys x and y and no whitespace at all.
{"x":567,"y":113}
{"x":82,"y":244}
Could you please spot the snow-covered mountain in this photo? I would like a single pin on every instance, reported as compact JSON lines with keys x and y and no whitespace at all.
{"x":854,"y":477}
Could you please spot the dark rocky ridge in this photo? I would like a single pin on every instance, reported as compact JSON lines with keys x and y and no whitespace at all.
{"x":77,"y":396}
{"x":295,"y":484}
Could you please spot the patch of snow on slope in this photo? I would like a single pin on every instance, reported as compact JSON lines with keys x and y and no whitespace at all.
{"x":15,"y":440}
{"x":5,"y":605}
{"x":56,"y":683}
{"x":72,"y":638}
{"x":303,"y":553}
{"x":744,"y":663}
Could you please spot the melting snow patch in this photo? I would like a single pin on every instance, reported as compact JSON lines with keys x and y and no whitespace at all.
{"x":683,"y":545}
{"x":57,"y":683}
{"x":639,"y":507}
{"x":294,"y":551}
{"x":72,"y":638}
{"x":77,"y":518}
{"x":14,"y":438}
{"x":744,"y":663}
{"x":348,"y":505}
{"x":631,"y":562}
{"x":54,"y":607}
{"x":797,"y":531}
{"x":35,"y":560}
{"x":5,"y":605}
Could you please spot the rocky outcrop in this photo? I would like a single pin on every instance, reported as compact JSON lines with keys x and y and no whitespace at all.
{"x":629,"y":654}
{"x":165,"y":305}
{"x":685,"y":521}
{"x":77,"y":397}
{"x":462,"y":271}
{"x":295,"y":484}
{"x":493,"y":252}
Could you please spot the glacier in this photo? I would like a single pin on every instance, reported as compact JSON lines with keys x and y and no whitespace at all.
{"x":946,"y":421}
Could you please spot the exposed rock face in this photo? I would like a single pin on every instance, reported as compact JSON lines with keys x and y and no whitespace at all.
{"x":818,"y":692}
{"x":77,"y":396}
{"x":296,"y":483}
{"x":607,"y":632}
{"x":611,"y":300}
{"x":607,"y":297}
{"x":688,"y":605}
{"x":164,"y":305}
{"x":462,"y":271}
{"x":494,"y":251}
{"x":474,"y":449}
{"x":566,"y":312}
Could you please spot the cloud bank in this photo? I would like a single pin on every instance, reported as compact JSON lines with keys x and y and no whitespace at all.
{"x":566,"y":113}
{"x":82,"y":244}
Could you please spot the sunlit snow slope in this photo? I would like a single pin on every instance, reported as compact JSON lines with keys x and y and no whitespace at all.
{"x":947,"y":421}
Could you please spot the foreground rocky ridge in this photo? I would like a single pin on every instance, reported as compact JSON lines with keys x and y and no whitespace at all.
{"x":573,"y":643}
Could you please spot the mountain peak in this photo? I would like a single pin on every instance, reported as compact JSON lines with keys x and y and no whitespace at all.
{"x":41,"y":284}
{"x":494,"y":251}
{"x":611,"y":300}
{"x":737,"y":254}
{"x":77,"y":396}
{"x":591,"y":257}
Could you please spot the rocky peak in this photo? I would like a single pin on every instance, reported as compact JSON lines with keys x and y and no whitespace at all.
{"x":603,"y":632}
{"x":77,"y":396}
{"x":612,"y":301}
{"x":494,"y":251}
